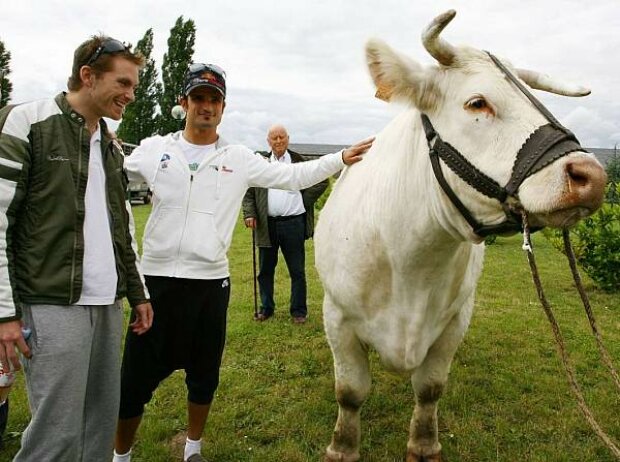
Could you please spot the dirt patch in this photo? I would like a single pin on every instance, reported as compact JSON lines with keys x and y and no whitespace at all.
{"x":177,"y":445}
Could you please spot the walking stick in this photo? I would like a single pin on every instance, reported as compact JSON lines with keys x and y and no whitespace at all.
{"x":254,"y":272}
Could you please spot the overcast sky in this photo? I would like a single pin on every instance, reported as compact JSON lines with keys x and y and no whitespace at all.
{"x":301,"y":63}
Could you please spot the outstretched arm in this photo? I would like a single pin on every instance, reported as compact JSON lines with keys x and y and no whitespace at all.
{"x":302,"y":175}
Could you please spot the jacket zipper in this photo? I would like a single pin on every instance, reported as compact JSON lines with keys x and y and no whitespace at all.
{"x":189,"y":196}
{"x":109,"y":150}
{"x":77,"y":202}
{"x":218,"y":178}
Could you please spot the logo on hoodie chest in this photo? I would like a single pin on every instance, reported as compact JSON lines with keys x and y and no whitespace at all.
{"x":165,"y":159}
{"x":222,"y":169}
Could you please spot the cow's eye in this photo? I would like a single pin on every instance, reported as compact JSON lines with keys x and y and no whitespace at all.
{"x":477,"y":103}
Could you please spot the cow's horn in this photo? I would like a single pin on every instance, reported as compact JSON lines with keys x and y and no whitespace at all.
{"x":438,"y":48}
{"x":544,"y":82}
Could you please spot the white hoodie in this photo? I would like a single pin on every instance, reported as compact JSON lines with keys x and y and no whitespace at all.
{"x":194,"y":213}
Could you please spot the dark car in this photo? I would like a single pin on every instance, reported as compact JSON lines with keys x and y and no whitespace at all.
{"x":140,"y":192}
{"x":137,"y":191}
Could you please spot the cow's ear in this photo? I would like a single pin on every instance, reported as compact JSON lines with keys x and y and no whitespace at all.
{"x":396,"y":76}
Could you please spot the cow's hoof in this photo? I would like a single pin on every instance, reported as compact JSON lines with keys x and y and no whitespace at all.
{"x":333,"y":456}
{"x":411,"y":457}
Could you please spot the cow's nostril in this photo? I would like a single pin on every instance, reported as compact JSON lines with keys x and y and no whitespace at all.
{"x":577,"y":174}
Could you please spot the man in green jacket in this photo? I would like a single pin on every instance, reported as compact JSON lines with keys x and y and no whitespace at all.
{"x":283,"y":220}
{"x":66,"y":255}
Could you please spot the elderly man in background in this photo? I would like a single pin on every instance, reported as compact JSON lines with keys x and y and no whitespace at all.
{"x":282,"y":220}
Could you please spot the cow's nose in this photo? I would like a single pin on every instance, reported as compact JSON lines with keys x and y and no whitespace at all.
{"x":586,"y":182}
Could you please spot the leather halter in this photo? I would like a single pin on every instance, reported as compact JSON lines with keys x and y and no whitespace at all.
{"x":545,"y":145}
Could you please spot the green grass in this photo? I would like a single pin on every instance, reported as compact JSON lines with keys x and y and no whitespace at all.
{"x":507,"y":398}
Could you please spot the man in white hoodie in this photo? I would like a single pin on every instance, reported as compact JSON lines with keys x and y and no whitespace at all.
{"x":198,"y":182}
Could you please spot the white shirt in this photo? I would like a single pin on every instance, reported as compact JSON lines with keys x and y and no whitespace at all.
{"x":99,"y":278}
{"x":195,"y":153}
{"x":280,"y":202}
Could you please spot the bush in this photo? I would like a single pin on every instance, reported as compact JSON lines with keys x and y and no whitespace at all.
{"x":613,"y":177}
{"x":596,"y":242}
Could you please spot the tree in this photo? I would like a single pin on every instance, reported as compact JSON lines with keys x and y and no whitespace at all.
{"x":5,"y":85}
{"x":179,"y":56}
{"x":613,"y":178}
{"x":140,"y":117}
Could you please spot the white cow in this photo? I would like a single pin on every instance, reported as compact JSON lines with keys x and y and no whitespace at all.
{"x":398,"y":262}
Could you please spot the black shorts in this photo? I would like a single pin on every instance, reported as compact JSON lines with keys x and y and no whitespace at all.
{"x":188,"y":332}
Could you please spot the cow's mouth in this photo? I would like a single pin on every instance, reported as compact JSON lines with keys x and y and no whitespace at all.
{"x":561,"y":218}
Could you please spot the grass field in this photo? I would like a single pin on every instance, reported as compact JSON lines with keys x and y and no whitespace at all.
{"x":506,"y":400}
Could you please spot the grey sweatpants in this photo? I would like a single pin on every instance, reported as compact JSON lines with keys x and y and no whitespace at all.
{"x":73,"y":382}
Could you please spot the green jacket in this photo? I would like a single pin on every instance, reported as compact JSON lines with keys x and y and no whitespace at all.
{"x":255,"y":206}
{"x":44,"y":153}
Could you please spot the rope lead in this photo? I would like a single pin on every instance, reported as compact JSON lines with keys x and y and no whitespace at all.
{"x":570,"y":373}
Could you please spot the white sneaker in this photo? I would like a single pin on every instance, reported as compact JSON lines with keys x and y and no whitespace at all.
{"x":196,"y":458}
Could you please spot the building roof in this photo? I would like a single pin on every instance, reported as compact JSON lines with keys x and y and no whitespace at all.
{"x":307,"y":149}
{"x":604,"y":155}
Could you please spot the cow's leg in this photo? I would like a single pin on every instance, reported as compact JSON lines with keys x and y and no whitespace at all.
{"x":423,"y":444}
{"x":352,"y":374}
{"x":428,"y":382}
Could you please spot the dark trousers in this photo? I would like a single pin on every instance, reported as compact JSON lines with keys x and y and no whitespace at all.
{"x":287,"y":234}
{"x":188,"y":332}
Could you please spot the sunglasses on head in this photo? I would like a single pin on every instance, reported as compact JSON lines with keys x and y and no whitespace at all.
{"x":108,"y":46}
{"x":196,"y":68}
